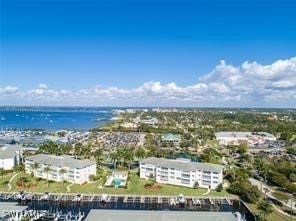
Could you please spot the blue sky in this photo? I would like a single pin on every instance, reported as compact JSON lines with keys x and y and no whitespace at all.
{"x":50,"y":49}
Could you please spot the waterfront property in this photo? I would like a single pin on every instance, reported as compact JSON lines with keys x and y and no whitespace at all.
{"x":170,"y":138}
{"x":251,"y":138}
{"x":181,"y":172}
{"x":10,"y":156}
{"x":116,"y":179}
{"x":130,"y":207}
{"x":60,"y":168}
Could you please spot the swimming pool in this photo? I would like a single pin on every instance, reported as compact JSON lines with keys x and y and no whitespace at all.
{"x":116,"y":182}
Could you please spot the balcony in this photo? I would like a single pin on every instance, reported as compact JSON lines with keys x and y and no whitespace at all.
{"x":164,"y":178}
{"x":185,"y":175}
{"x":185,"y":182}
{"x":206,"y":177}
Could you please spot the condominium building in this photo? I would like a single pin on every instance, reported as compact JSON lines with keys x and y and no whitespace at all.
{"x":181,"y":172}
{"x":10,"y":156}
{"x":60,"y":168}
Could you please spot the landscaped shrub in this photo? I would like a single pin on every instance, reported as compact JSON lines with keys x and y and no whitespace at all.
{"x":152,"y":186}
{"x":219,"y":187}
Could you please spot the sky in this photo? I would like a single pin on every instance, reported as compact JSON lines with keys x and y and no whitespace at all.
{"x":214,"y":53}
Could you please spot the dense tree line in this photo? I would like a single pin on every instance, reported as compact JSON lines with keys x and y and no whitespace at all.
{"x":51,"y":147}
{"x":241,"y":186}
{"x":278,"y":171}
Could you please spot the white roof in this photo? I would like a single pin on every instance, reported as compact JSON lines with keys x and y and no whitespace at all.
{"x":60,"y":161}
{"x":9,"y":151}
{"x":148,"y":215}
{"x":233,"y":134}
{"x":182,"y":164}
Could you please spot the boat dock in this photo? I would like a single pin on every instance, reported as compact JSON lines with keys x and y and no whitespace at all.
{"x":107,"y":198}
{"x":77,"y":206}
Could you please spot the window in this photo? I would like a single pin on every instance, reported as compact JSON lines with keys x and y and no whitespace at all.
{"x":185,"y":181}
{"x":206,"y":177}
{"x":164,"y":178}
{"x":206,"y":182}
{"x":185,"y":175}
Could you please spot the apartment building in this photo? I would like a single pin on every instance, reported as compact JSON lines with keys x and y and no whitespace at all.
{"x":75,"y":171}
{"x":181,"y":172}
{"x":10,"y":156}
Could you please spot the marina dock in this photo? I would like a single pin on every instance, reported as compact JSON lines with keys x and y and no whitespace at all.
{"x":68,"y":206}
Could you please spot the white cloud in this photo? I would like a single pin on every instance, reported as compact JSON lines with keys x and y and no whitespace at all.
{"x":8,"y":90}
{"x":226,"y":85}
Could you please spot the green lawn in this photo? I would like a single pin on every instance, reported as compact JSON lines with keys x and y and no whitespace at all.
{"x":275,"y":216}
{"x":135,"y":187}
{"x":40,"y":185}
{"x":4,"y":181}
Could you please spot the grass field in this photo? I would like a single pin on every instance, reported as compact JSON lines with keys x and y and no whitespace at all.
{"x":135,"y":187}
{"x":4,"y":181}
{"x":37,"y":185}
{"x":275,"y":216}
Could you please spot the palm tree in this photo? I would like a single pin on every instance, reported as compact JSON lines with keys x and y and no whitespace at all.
{"x":35,"y":167}
{"x":77,"y":149}
{"x":62,"y":173}
{"x":99,"y":157}
{"x":47,"y":170}
{"x":128,"y":157}
{"x":21,"y":168}
{"x":114,"y":157}
{"x":265,"y":170}
{"x":87,"y":151}
{"x":140,"y":153}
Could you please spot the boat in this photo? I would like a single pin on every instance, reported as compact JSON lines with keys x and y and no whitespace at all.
{"x":196,"y":202}
{"x":45,"y":196}
{"x":181,"y":198}
{"x":104,"y":198}
{"x":173,"y":201}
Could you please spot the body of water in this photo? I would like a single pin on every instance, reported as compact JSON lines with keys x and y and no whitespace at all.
{"x":53,"y":118}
